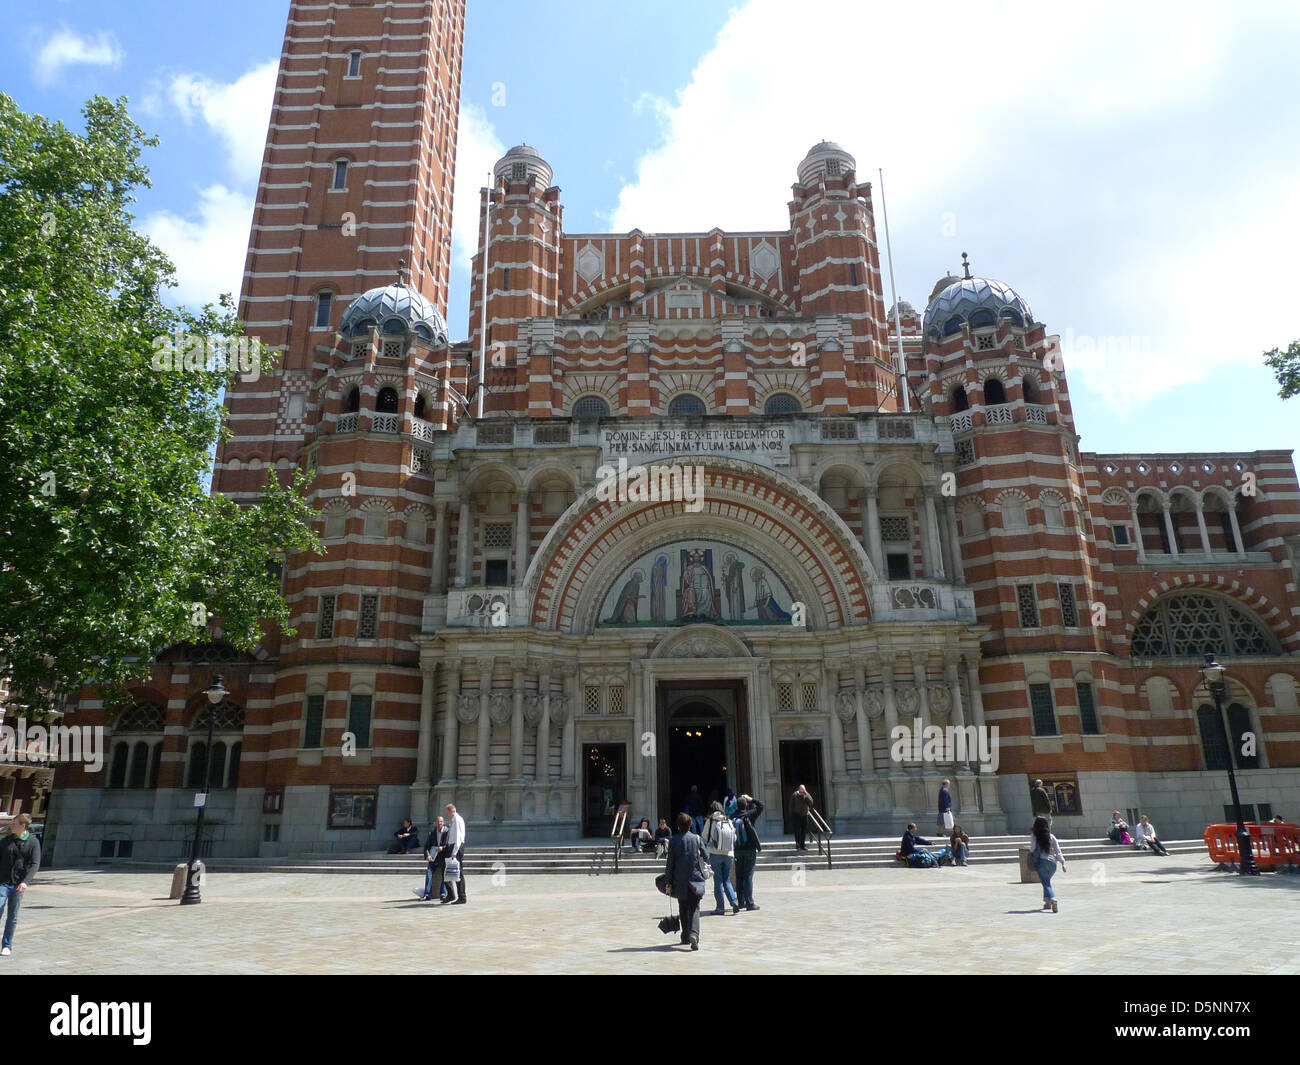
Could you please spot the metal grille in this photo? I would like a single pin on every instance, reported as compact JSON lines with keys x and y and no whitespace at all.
{"x":392,"y":349}
{"x":1040,"y":704}
{"x":227,"y":716}
{"x":591,"y":699}
{"x":896,"y":530}
{"x":325,"y":620}
{"x":897,"y":429}
{"x":809,"y":696}
{"x":314,"y":723}
{"x":552,"y":434}
{"x":965,"y":452}
{"x":496,"y":535}
{"x":617,"y":699}
{"x":368,"y":618}
{"x":142,"y":717}
{"x":1069,"y":610}
{"x":1027,"y":601}
{"x":785,"y":696}
{"x":518,"y":172}
{"x":985,"y":343}
{"x":421,"y":460}
{"x":832,"y":168}
{"x":496,"y":433}
{"x":386,"y":423}
{"x":839,"y":430}
{"x":359,"y":350}
{"x":1191,"y":624}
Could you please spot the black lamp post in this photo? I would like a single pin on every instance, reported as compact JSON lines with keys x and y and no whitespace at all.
{"x":1217,"y":687}
{"x":194,"y":876}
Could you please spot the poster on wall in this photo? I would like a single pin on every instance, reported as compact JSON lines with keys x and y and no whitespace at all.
{"x":684,"y":583}
{"x":1063,"y":789}
{"x":352,"y":809}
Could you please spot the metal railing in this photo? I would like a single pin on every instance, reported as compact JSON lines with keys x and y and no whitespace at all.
{"x":821,"y":831}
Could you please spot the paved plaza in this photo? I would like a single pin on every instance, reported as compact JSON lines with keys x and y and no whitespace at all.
{"x":1117,"y":916}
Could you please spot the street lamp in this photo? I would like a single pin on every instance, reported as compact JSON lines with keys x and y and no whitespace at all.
{"x":194,"y":875}
{"x":1217,"y":687}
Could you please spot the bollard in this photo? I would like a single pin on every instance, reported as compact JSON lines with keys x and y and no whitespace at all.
{"x":1028,"y":875}
{"x":178,"y":880}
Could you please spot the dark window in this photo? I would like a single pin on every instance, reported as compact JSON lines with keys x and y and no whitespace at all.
{"x":1027,"y":604}
{"x":1164,"y":535}
{"x":324,"y":304}
{"x":685,"y":406}
{"x":354,"y":65}
{"x":325,"y":618}
{"x":591,"y":407}
{"x":1229,"y":538}
{"x":341,"y":174}
{"x":518,"y":173}
{"x":952,"y":325}
{"x":386,"y":401}
{"x":117,"y":776}
{"x":994,"y":393}
{"x":960,"y":401}
{"x":853,"y":274}
{"x":155,"y":765}
{"x":1088,"y":723}
{"x":899,"y":565}
{"x":108,"y":847}
{"x":359,"y":720}
{"x":1069,"y":610}
{"x":1214,"y":743}
{"x":139,"y":766}
{"x":125,"y":848}
{"x":505,"y":280}
{"x":236,"y":752}
{"x":1031,"y":390}
{"x":421,"y":408}
{"x":313,"y":727}
{"x":217,"y":775}
{"x":353,"y":402}
{"x":1265,"y":812}
{"x":1247,"y":814}
{"x":982,"y":319}
{"x":1120,"y":533}
{"x":1240,"y":725}
{"x":1040,"y":702}
{"x":496,"y":572}
{"x":198,"y":766}
{"x":781,"y":403}
{"x":368,"y":617}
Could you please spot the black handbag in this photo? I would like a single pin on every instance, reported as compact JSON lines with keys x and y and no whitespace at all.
{"x":670,"y":924}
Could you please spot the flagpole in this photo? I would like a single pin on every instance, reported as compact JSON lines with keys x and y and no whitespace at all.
{"x":898,"y":330}
{"x":483,"y":301}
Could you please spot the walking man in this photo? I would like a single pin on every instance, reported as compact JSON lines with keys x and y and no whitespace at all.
{"x":435,"y":860}
{"x":945,"y":808}
{"x":455,"y":848}
{"x":747,"y":848}
{"x":800,"y":803}
{"x":686,"y":878}
{"x":1041,"y":802}
{"x":20,"y":858}
{"x":720,"y":838}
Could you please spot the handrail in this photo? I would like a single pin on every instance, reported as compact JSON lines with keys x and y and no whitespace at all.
{"x":818,"y":828}
{"x":616,"y":835}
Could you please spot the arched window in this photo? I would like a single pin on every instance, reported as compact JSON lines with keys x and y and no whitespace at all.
{"x":1192,"y":624}
{"x":421,"y":408}
{"x":686,"y":406}
{"x":982,"y":319}
{"x":591,"y":407}
{"x":1213,"y":742}
{"x":994,"y":393}
{"x":117,"y":775}
{"x":353,"y":402}
{"x":139,"y":777}
{"x":198,"y":767}
{"x":386,"y":401}
{"x":959,"y":400}
{"x":324,"y":305}
{"x":1239,"y":725}
{"x":155,"y":764}
{"x":232,"y":775}
{"x":340,"y":174}
{"x":1013,"y":316}
{"x":1031,"y":390}
{"x":782,"y":403}
{"x":952,"y":325}
{"x":217,"y":776}
{"x":228,"y":727}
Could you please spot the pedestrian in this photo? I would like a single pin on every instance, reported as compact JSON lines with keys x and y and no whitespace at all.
{"x":720,"y":838}
{"x":800,"y":803}
{"x":959,"y":843}
{"x":435,"y":861}
{"x":729,"y":803}
{"x":662,"y":835}
{"x":406,"y":838}
{"x":454,"y":848}
{"x":1146,"y":837}
{"x":1040,"y":802}
{"x":20,"y":858}
{"x":696,"y":808}
{"x":686,"y":873}
{"x":747,"y":847}
{"x":945,"y":808}
{"x":1045,"y":854}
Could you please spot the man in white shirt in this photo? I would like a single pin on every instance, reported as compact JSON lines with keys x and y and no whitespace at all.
{"x":455,"y":848}
{"x":1144,"y":834}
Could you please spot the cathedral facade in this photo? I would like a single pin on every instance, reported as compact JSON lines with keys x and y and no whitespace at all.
{"x":683,"y":510}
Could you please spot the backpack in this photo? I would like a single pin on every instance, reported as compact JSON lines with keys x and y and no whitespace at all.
{"x":723,"y":836}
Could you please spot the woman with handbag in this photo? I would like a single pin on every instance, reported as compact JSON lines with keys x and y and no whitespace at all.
{"x":688,"y":873}
{"x":1045,"y":854}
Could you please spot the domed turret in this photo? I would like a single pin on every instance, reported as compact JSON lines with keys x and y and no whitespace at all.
{"x":522,"y":164}
{"x":826,"y":158}
{"x":395,"y":309}
{"x":973,"y":301}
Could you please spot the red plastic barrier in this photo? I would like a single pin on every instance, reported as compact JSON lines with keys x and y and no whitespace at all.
{"x":1274,"y":844}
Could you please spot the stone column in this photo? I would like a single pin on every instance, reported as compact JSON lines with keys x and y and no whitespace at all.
{"x":521,"y":537}
{"x":424,"y":749}
{"x":633,"y":694}
{"x":922,"y":686}
{"x":464,"y":543}
{"x":1137,"y":533}
{"x":570,"y":729}
{"x":517,"y":722}
{"x":1205,"y":533}
{"x":955,"y":567}
{"x":891,"y":706}
{"x":831,"y":680}
{"x":1236,"y":529}
{"x":871,"y":538}
{"x":865,"y":754}
{"x":1169,"y":529}
{"x":450,"y":733}
{"x":950,"y":662}
{"x":934,"y":557}
{"x":482,"y":750}
{"x":976,"y":699}
{"x":440,"y":540}
{"x":542,"y":770}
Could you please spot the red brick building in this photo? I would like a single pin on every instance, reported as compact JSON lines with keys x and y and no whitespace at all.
{"x":492,"y":624}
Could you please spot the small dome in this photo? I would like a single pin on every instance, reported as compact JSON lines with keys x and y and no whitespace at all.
{"x":523,"y":163}
{"x":905,"y":310}
{"x":973,"y":301}
{"x":942,"y":284}
{"x":394,"y":309}
{"x":826,"y":158}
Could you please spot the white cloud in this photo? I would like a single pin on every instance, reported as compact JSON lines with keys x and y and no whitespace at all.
{"x":238,"y":112}
{"x":1093,"y":156}
{"x":207,"y":246}
{"x":477,"y":148}
{"x":65,"y":47}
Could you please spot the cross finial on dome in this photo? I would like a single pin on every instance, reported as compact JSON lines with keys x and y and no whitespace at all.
{"x":401,"y":272}
{"x":965,"y":265}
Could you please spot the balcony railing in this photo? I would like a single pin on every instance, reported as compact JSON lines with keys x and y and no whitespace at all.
{"x":422,"y":430}
{"x":1035,"y":413}
{"x":960,"y":422}
{"x":347,"y":423}
{"x":386,"y":423}
{"x":998,"y":415}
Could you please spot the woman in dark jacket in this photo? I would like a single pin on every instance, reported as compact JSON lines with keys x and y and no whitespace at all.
{"x":747,"y":847}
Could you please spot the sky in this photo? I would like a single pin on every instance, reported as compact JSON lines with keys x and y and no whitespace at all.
{"x":1129,"y":169}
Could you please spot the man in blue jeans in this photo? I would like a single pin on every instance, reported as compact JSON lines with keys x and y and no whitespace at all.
{"x":720,"y":839}
{"x":20,"y":858}
{"x":747,"y":848}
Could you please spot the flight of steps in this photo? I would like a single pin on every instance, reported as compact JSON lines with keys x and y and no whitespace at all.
{"x":595,"y":858}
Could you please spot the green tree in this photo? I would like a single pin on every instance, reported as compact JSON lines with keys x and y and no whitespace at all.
{"x":112,"y":547}
{"x":1286,"y":366}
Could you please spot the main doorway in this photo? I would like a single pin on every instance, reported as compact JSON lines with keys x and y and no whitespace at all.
{"x":703,"y":743}
{"x":801,"y":763}
{"x":604,"y":786}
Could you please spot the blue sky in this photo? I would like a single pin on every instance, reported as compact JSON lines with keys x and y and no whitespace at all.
{"x":1131,"y":173}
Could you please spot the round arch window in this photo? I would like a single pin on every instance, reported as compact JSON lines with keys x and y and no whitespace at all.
{"x":782,"y":403}
{"x":686,"y":405}
{"x":386,"y":401}
{"x":591,"y":407}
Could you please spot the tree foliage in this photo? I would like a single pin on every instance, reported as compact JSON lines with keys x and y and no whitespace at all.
{"x":1286,"y":366}
{"x":112,"y":547}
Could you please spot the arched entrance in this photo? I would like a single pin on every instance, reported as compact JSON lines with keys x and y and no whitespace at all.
{"x":702,"y":730}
